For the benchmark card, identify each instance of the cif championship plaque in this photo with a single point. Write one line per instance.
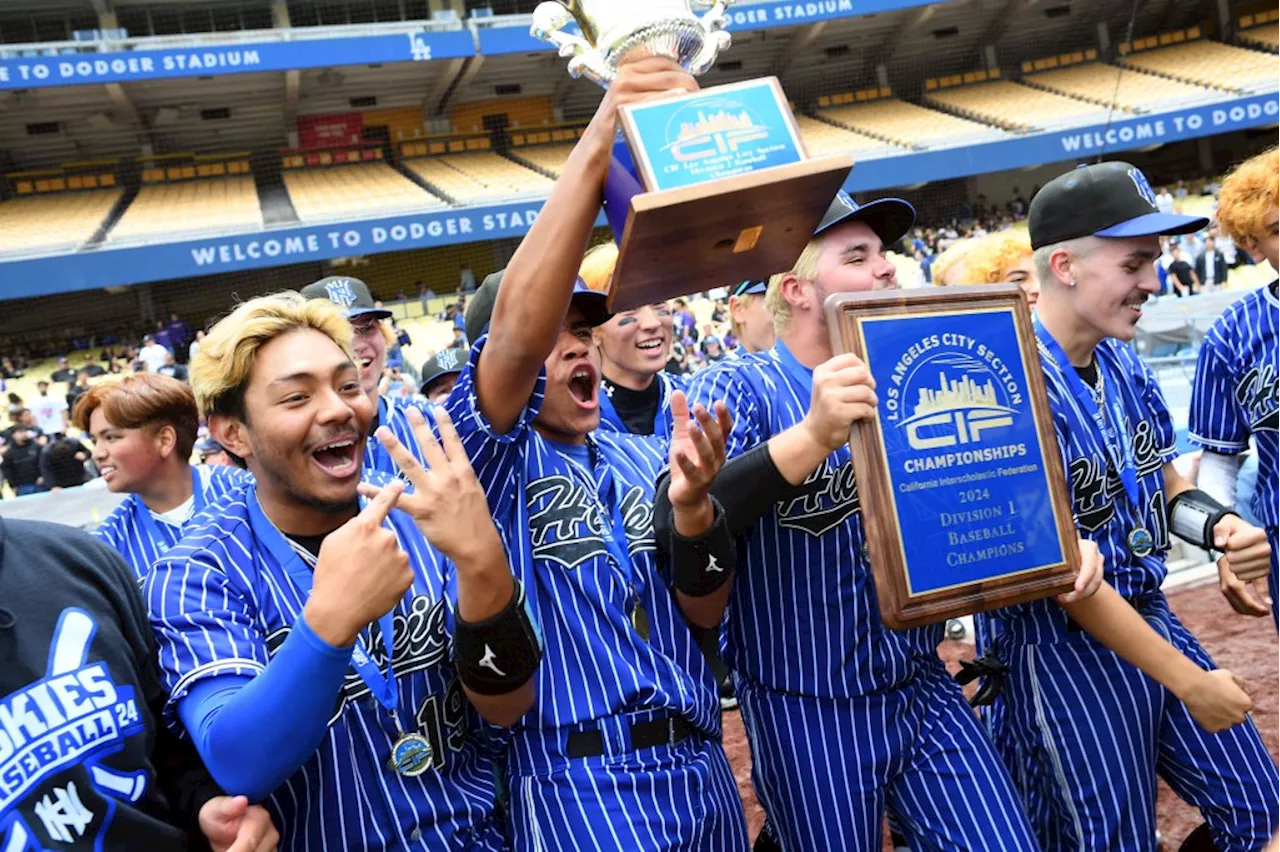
(718, 179)
(961, 465)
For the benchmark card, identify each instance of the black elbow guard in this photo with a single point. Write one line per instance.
(499, 654)
(1193, 515)
(703, 564)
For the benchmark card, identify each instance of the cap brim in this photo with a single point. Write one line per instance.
(1155, 224)
(754, 290)
(890, 218)
(369, 313)
(594, 306)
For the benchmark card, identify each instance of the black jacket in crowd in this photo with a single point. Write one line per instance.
(21, 465)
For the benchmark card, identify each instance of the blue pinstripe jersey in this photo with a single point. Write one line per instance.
(667, 383)
(1235, 392)
(142, 539)
(220, 603)
(594, 663)
(1102, 510)
(393, 415)
(803, 611)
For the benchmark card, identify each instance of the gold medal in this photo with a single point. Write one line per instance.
(640, 619)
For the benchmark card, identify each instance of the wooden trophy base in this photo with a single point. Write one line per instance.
(696, 238)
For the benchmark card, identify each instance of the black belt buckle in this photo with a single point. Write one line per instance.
(991, 669)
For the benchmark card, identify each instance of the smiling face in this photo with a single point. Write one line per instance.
(369, 342)
(127, 458)
(571, 407)
(1023, 273)
(636, 344)
(1113, 280)
(306, 418)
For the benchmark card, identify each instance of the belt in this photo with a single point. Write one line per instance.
(668, 731)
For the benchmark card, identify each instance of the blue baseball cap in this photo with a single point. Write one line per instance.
(889, 218)
(1102, 200)
(751, 288)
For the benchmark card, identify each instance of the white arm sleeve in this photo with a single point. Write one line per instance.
(1217, 476)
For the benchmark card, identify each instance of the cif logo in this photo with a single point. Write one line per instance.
(418, 49)
(340, 292)
(958, 400)
(1144, 187)
(705, 129)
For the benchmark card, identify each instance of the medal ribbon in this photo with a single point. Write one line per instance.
(382, 687)
(1110, 425)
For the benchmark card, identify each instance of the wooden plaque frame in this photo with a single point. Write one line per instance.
(718, 233)
(899, 608)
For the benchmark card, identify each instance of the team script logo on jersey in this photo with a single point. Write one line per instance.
(828, 497)
(1257, 394)
(566, 527)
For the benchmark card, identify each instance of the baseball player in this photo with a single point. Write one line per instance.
(622, 751)
(143, 428)
(635, 346)
(323, 657)
(1235, 393)
(1089, 779)
(440, 373)
(749, 318)
(85, 764)
(369, 340)
(1003, 257)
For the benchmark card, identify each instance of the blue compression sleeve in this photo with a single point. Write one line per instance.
(254, 732)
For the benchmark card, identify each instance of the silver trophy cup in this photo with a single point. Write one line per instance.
(611, 29)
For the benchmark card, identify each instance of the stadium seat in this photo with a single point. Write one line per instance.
(549, 157)
(908, 125)
(349, 191)
(1136, 92)
(1017, 107)
(1267, 35)
(469, 178)
(1211, 64)
(58, 220)
(822, 138)
(193, 206)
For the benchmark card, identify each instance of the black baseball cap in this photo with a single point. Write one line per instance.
(751, 288)
(444, 363)
(350, 294)
(1103, 200)
(889, 218)
(592, 303)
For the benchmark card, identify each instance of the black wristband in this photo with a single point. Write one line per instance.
(499, 654)
(703, 564)
(1192, 516)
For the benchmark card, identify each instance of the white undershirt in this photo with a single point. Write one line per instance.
(178, 515)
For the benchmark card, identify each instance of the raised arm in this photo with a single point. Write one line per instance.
(536, 287)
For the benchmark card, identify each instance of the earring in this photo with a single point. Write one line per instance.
(1071, 283)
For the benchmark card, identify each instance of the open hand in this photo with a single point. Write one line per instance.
(697, 451)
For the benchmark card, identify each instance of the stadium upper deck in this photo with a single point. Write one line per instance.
(485, 126)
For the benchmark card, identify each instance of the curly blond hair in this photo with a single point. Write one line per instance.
(1247, 195)
(220, 371)
(596, 269)
(991, 258)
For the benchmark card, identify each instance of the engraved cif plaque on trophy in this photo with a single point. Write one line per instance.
(966, 504)
(708, 188)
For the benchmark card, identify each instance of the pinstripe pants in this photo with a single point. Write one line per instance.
(826, 768)
(669, 797)
(1086, 735)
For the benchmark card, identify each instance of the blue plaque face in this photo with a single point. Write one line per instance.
(718, 133)
(965, 461)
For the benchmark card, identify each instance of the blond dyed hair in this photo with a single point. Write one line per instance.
(806, 269)
(991, 258)
(220, 371)
(1247, 195)
(596, 269)
(949, 260)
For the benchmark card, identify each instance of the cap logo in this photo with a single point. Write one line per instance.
(1144, 188)
(340, 292)
(448, 359)
(845, 199)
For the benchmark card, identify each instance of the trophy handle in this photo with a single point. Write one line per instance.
(549, 20)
